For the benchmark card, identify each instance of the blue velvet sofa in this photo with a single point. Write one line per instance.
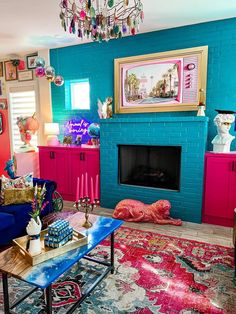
(14, 218)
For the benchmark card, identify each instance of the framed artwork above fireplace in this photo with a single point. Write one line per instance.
(166, 81)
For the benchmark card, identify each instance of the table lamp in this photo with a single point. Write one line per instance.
(51, 130)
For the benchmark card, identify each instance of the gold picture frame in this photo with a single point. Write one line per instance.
(10, 71)
(161, 82)
(1, 69)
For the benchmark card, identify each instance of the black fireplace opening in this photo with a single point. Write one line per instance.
(150, 166)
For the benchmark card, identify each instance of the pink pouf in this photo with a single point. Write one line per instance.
(136, 211)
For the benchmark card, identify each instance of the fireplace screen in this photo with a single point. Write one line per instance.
(150, 166)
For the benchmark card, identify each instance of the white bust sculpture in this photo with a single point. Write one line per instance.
(222, 141)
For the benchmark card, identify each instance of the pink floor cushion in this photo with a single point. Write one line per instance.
(136, 211)
(50, 218)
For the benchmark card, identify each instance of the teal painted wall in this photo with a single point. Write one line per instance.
(95, 61)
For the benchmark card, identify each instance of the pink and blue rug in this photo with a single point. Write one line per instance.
(154, 274)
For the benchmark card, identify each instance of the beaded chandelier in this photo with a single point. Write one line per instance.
(101, 19)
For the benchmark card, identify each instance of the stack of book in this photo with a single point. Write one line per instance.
(59, 233)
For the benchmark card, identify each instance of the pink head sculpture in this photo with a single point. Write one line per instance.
(27, 127)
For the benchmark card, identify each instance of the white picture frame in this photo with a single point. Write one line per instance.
(26, 75)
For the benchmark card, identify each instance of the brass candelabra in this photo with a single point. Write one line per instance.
(85, 205)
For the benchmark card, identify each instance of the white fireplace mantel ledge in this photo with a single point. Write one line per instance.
(155, 120)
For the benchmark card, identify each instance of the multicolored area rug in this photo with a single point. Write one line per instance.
(154, 274)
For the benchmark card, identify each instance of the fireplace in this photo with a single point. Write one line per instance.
(184, 138)
(150, 166)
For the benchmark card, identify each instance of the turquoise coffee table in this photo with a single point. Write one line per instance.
(43, 275)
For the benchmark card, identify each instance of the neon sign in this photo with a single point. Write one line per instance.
(76, 127)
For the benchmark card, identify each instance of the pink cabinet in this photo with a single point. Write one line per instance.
(82, 162)
(64, 164)
(220, 188)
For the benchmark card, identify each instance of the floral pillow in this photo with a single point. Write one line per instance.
(23, 182)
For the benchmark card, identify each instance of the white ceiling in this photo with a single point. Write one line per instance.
(27, 26)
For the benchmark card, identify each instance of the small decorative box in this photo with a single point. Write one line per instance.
(56, 244)
(56, 227)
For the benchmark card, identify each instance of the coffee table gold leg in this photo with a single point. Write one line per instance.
(49, 299)
(112, 253)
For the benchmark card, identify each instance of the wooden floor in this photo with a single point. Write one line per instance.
(200, 232)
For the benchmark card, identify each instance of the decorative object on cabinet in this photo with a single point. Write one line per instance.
(94, 133)
(78, 140)
(1, 69)
(27, 127)
(67, 140)
(101, 20)
(105, 108)
(219, 189)
(51, 130)
(223, 121)
(65, 164)
(26, 75)
(10, 71)
(85, 201)
(160, 81)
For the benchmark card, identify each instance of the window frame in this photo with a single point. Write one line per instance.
(14, 88)
(69, 96)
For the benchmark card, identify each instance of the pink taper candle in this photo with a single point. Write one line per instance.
(92, 192)
(77, 191)
(96, 188)
(86, 184)
(82, 187)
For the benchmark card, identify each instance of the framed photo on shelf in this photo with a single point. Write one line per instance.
(26, 75)
(31, 61)
(1, 69)
(10, 71)
(167, 81)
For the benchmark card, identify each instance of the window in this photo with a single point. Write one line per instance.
(79, 91)
(22, 103)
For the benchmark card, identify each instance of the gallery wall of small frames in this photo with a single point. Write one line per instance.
(20, 70)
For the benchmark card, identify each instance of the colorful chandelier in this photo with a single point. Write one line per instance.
(101, 19)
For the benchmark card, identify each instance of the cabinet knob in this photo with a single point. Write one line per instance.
(234, 166)
(82, 156)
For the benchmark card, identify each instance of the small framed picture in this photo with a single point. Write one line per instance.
(3, 103)
(1, 69)
(10, 71)
(26, 75)
(31, 61)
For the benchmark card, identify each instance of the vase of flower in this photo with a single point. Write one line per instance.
(33, 230)
(34, 226)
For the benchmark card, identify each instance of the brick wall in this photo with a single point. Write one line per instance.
(95, 61)
(190, 133)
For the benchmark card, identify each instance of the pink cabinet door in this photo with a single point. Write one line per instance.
(82, 161)
(220, 189)
(54, 166)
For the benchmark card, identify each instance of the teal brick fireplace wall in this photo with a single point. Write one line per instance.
(96, 61)
(190, 133)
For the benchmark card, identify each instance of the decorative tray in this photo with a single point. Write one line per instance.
(47, 252)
